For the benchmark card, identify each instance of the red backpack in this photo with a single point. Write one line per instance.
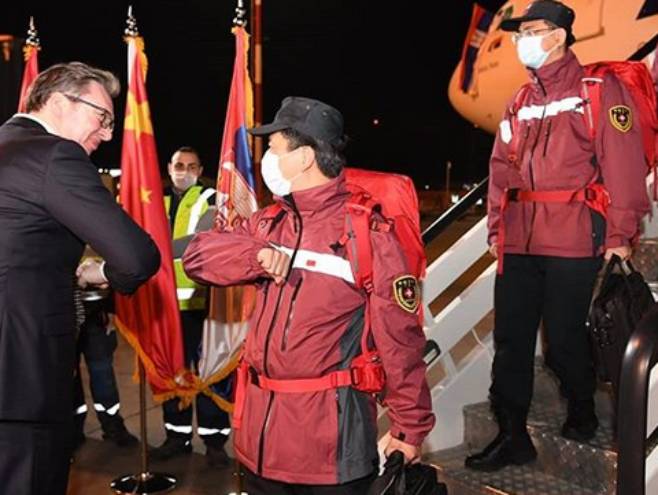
(394, 197)
(638, 81)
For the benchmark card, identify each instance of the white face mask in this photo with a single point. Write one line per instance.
(530, 52)
(183, 182)
(272, 175)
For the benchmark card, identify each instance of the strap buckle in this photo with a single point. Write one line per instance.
(513, 194)
(591, 194)
(356, 376)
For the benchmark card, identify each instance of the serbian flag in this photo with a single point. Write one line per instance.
(226, 325)
(149, 319)
(31, 70)
(480, 22)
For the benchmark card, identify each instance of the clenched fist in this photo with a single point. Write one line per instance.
(275, 263)
(90, 273)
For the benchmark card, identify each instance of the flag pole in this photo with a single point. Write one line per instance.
(145, 482)
(240, 19)
(257, 78)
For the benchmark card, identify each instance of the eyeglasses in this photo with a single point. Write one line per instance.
(530, 32)
(107, 120)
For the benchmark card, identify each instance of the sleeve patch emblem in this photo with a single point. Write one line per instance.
(406, 292)
(621, 118)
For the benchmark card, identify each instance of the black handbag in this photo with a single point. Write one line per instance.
(620, 300)
(412, 479)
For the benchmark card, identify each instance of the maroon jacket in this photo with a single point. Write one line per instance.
(558, 154)
(309, 327)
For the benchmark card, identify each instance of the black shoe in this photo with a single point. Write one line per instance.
(217, 457)
(581, 423)
(506, 449)
(120, 436)
(172, 447)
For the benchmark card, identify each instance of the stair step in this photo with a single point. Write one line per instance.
(512, 480)
(591, 465)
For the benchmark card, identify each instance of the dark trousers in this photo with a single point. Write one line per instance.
(97, 346)
(209, 415)
(556, 291)
(34, 458)
(256, 485)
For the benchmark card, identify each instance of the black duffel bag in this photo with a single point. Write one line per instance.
(620, 300)
(412, 479)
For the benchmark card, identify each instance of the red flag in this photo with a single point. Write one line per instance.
(149, 319)
(31, 70)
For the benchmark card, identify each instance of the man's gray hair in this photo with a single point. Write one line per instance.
(71, 77)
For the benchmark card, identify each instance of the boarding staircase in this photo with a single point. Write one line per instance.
(458, 305)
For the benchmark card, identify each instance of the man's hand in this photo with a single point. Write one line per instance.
(89, 274)
(624, 252)
(493, 250)
(275, 263)
(411, 452)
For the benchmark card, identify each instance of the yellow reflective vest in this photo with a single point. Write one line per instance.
(193, 204)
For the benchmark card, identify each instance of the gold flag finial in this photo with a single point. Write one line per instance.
(131, 24)
(32, 35)
(240, 18)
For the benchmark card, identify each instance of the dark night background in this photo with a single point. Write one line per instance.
(389, 61)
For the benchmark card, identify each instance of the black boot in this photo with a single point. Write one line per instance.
(115, 430)
(581, 423)
(173, 446)
(216, 456)
(512, 445)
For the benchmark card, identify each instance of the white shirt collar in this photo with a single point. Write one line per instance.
(37, 120)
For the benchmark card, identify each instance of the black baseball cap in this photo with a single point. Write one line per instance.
(548, 10)
(307, 116)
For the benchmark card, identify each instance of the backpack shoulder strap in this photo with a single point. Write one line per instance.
(591, 95)
(271, 215)
(517, 104)
(358, 217)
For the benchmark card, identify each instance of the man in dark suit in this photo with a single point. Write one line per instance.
(52, 202)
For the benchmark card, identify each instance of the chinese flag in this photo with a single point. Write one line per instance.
(149, 319)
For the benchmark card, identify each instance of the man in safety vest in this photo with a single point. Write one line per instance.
(559, 201)
(185, 203)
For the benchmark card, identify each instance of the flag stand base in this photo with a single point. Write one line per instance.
(143, 483)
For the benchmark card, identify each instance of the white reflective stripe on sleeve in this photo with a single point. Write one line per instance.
(178, 429)
(81, 409)
(195, 212)
(570, 104)
(505, 131)
(111, 410)
(184, 294)
(328, 264)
